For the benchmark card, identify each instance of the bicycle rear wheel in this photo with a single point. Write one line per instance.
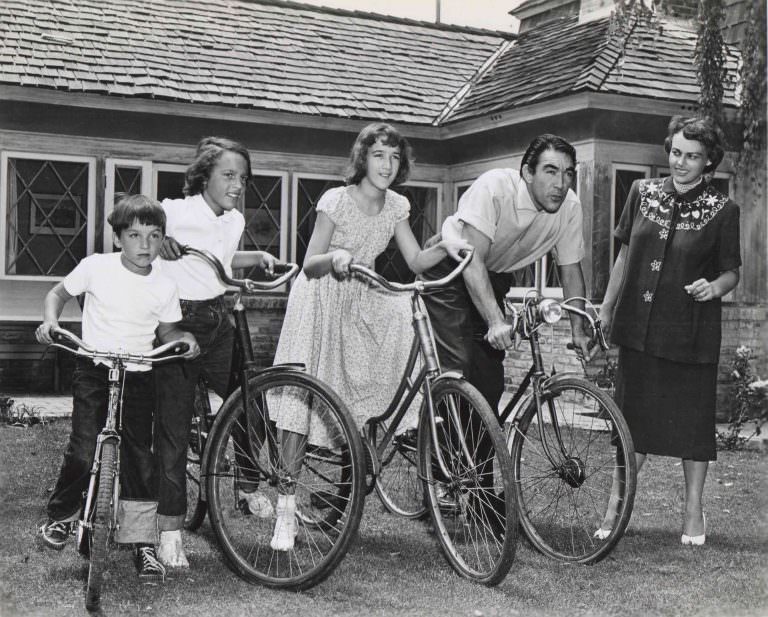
(563, 502)
(330, 486)
(473, 506)
(398, 484)
(196, 506)
(100, 519)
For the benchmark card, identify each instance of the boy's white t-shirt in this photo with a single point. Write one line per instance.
(122, 309)
(191, 221)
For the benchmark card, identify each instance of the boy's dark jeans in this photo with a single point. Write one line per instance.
(89, 414)
(209, 322)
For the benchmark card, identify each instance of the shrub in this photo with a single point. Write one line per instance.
(749, 402)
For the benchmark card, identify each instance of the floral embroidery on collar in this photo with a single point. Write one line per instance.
(657, 206)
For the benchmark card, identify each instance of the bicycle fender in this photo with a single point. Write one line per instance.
(255, 371)
(450, 375)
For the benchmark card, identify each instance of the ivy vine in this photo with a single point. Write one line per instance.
(710, 59)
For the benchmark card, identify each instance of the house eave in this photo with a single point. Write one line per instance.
(196, 110)
(569, 104)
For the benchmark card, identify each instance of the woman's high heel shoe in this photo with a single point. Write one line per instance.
(687, 540)
(602, 534)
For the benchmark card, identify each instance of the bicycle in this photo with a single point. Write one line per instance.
(98, 520)
(243, 444)
(459, 452)
(568, 440)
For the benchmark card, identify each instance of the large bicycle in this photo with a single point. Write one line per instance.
(568, 442)
(456, 465)
(98, 520)
(242, 446)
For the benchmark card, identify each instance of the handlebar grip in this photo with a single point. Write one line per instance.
(282, 269)
(180, 348)
(464, 252)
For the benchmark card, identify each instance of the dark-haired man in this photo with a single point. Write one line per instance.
(512, 219)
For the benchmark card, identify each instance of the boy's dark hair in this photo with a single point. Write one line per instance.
(705, 131)
(209, 151)
(389, 136)
(544, 142)
(129, 208)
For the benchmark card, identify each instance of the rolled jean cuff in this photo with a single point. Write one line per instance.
(166, 522)
(137, 522)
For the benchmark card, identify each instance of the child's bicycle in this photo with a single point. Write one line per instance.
(240, 445)
(98, 520)
(456, 465)
(569, 442)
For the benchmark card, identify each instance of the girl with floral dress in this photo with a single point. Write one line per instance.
(352, 336)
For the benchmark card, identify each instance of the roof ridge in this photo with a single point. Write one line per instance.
(381, 17)
(456, 99)
(594, 69)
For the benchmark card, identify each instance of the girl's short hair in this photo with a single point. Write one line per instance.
(389, 136)
(701, 129)
(209, 151)
(129, 208)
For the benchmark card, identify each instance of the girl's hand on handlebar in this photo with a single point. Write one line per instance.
(268, 262)
(454, 247)
(43, 332)
(340, 262)
(500, 336)
(171, 250)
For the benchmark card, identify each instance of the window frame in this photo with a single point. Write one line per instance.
(147, 186)
(284, 210)
(294, 212)
(90, 233)
(648, 170)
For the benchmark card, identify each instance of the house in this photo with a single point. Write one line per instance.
(109, 96)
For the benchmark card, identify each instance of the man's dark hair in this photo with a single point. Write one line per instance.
(129, 208)
(544, 142)
(705, 131)
(209, 151)
(389, 136)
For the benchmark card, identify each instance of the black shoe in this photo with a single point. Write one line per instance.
(147, 563)
(55, 534)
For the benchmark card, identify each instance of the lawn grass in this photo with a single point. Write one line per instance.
(396, 568)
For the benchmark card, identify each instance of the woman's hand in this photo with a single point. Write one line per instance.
(453, 247)
(171, 250)
(340, 262)
(606, 319)
(701, 290)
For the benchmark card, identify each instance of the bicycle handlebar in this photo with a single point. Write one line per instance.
(66, 340)
(288, 272)
(417, 285)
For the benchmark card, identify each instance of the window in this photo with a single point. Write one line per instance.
(623, 177)
(46, 214)
(266, 217)
(307, 191)
(123, 176)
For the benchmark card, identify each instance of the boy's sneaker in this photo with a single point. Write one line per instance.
(147, 563)
(55, 534)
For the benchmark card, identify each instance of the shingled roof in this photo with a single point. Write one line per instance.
(259, 55)
(566, 57)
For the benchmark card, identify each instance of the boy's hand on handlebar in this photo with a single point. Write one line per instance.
(454, 247)
(500, 336)
(340, 262)
(43, 332)
(171, 249)
(194, 348)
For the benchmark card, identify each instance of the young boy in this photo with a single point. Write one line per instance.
(128, 303)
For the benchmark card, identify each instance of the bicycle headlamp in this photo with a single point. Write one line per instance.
(550, 310)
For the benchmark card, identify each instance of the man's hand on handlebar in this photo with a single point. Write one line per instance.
(500, 335)
(171, 249)
(194, 348)
(583, 344)
(454, 247)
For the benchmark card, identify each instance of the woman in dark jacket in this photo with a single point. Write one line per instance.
(679, 255)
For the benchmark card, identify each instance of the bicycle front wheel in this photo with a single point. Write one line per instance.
(470, 495)
(329, 488)
(564, 491)
(100, 519)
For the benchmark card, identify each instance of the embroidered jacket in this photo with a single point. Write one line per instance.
(673, 240)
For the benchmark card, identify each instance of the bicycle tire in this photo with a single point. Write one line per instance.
(398, 484)
(473, 509)
(101, 518)
(562, 506)
(332, 474)
(201, 424)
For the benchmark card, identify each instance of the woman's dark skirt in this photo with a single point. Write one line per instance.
(669, 406)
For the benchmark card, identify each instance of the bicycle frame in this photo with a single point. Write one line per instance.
(528, 326)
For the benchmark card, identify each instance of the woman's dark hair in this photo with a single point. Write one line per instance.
(389, 136)
(544, 142)
(705, 131)
(129, 208)
(209, 151)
